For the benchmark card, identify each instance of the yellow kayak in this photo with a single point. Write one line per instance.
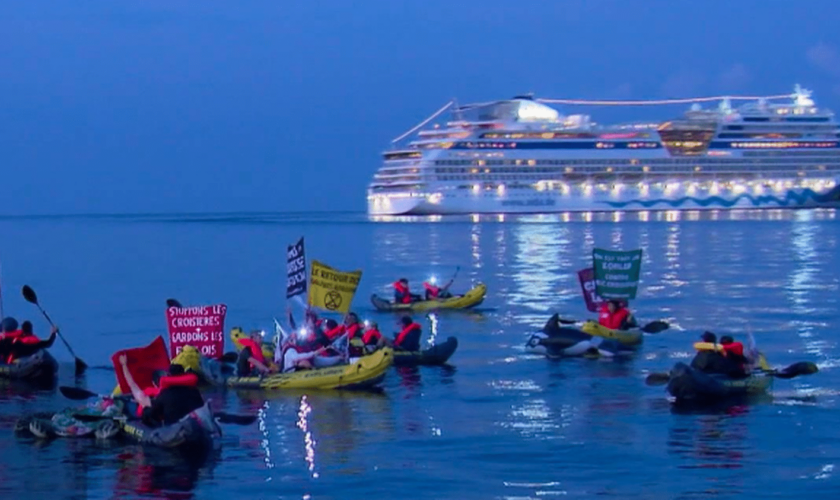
(626, 337)
(367, 371)
(472, 298)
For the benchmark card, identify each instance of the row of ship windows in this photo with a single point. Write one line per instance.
(602, 163)
(673, 168)
(536, 177)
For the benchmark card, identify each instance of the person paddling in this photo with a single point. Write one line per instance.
(20, 343)
(251, 359)
(171, 403)
(615, 316)
(434, 292)
(408, 339)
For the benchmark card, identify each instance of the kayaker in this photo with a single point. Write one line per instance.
(434, 292)
(16, 344)
(402, 294)
(171, 404)
(311, 337)
(408, 339)
(734, 352)
(710, 359)
(251, 358)
(294, 358)
(615, 316)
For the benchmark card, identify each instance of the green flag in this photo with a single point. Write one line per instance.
(616, 272)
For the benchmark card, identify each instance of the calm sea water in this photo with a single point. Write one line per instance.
(498, 423)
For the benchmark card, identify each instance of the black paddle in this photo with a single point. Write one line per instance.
(655, 326)
(173, 303)
(794, 370)
(78, 394)
(29, 295)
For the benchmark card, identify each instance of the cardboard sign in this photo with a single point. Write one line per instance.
(202, 327)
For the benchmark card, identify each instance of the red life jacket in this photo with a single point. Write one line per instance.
(612, 320)
(336, 332)
(434, 291)
(186, 379)
(17, 336)
(354, 330)
(402, 290)
(256, 352)
(734, 348)
(371, 336)
(404, 333)
(11, 335)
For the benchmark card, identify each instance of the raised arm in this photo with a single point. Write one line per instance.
(139, 396)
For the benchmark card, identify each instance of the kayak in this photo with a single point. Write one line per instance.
(472, 298)
(195, 432)
(366, 372)
(590, 340)
(689, 384)
(438, 354)
(38, 366)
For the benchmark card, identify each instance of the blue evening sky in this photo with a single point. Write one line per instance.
(153, 106)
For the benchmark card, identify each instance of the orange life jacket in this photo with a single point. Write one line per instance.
(404, 333)
(612, 320)
(186, 379)
(256, 351)
(18, 336)
(336, 332)
(402, 293)
(371, 336)
(434, 291)
(354, 330)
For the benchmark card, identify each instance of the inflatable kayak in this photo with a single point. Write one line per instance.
(39, 366)
(590, 339)
(93, 420)
(366, 372)
(472, 298)
(195, 432)
(438, 354)
(688, 384)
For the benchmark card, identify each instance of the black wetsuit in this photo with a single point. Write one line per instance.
(712, 362)
(172, 404)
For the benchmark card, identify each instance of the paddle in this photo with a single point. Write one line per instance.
(78, 394)
(173, 303)
(655, 326)
(29, 295)
(794, 370)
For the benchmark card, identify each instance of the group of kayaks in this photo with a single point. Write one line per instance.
(109, 416)
(567, 338)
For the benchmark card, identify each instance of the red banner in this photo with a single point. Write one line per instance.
(587, 287)
(202, 327)
(142, 363)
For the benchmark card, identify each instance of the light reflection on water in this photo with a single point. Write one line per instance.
(500, 423)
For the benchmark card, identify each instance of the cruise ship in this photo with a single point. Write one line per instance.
(522, 155)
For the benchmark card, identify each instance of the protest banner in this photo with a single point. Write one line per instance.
(295, 270)
(331, 289)
(202, 327)
(616, 273)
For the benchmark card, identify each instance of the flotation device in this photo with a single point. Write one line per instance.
(354, 331)
(256, 352)
(165, 382)
(334, 333)
(403, 335)
(11, 335)
(371, 336)
(21, 339)
(612, 320)
(708, 346)
(734, 348)
(402, 296)
(433, 291)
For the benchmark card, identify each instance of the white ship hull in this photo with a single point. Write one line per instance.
(628, 200)
(520, 156)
